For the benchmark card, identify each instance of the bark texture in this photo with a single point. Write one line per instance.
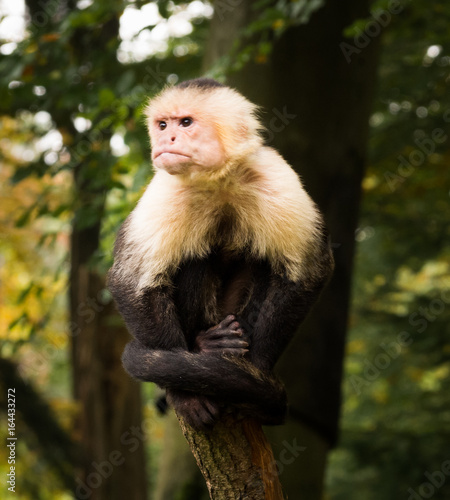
(236, 460)
(110, 416)
(188, 482)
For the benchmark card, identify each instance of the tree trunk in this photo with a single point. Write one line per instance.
(33, 411)
(110, 417)
(236, 460)
(188, 482)
(109, 422)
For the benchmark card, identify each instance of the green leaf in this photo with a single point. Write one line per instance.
(106, 97)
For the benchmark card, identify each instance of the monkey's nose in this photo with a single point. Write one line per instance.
(172, 138)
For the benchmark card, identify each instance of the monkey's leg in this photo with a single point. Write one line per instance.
(228, 338)
(279, 305)
(232, 381)
(200, 412)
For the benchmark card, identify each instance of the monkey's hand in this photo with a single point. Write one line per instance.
(198, 411)
(228, 337)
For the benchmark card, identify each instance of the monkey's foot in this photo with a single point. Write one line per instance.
(198, 411)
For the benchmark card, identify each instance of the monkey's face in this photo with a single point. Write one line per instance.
(183, 142)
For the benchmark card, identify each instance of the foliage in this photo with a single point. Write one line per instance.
(73, 150)
(257, 38)
(398, 363)
(71, 98)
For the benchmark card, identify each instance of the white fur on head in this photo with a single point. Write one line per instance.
(234, 117)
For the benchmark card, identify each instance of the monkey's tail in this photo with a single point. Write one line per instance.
(229, 379)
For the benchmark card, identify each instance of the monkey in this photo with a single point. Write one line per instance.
(220, 261)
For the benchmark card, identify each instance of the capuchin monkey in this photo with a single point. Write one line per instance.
(219, 262)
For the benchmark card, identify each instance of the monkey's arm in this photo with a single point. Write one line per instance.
(150, 316)
(273, 317)
(232, 380)
(160, 355)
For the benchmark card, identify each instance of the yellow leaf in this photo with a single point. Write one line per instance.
(279, 23)
(50, 37)
(355, 346)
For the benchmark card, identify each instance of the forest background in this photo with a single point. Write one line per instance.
(356, 97)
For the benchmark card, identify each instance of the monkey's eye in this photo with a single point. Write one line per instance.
(185, 122)
(162, 125)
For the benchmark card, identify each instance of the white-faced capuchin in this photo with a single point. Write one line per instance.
(220, 261)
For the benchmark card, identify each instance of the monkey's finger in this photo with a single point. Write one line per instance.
(235, 325)
(235, 343)
(235, 352)
(194, 419)
(226, 343)
(205, 416)
(235, 333)
(212, 408)
(223, 324)
(211, 335)
(222, 333)
(227, 321)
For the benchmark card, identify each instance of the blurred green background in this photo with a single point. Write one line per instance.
(74, 159)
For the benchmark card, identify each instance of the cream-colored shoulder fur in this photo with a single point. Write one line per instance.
(283, 223)
(272, 216)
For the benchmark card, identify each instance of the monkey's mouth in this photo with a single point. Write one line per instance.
(169, 153)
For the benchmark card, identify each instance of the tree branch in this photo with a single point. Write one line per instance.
(235, 459)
